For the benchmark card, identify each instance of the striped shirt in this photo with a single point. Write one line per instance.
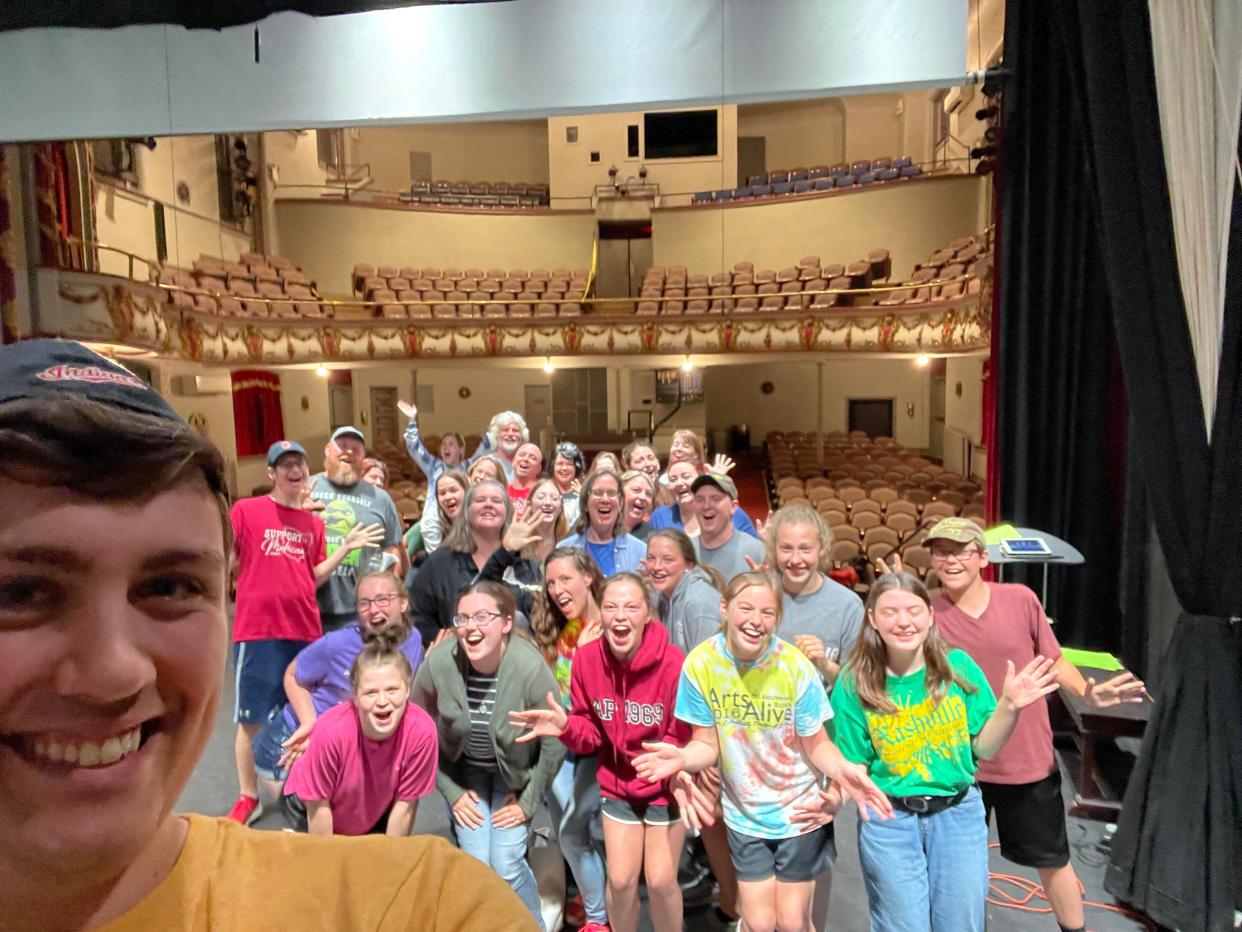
(481, 697)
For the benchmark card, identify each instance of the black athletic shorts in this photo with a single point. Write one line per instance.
(1030, 820)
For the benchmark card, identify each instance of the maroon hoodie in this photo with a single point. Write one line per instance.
(615, 707)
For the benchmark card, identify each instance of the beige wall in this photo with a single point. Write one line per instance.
(505, 150)
(573, 175)
(873, 126)
(327, 239)
(125, 217)
(963, 414)
(796, 132)
(734, 396)
(910, 220)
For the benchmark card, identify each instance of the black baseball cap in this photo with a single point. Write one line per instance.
(50, 368)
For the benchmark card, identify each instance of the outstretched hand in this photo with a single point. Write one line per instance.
(698, 809)
(1036, 680)
(408, 409)
(541, 723)
(661, 762)
(522, 531)
(721, 465)
(851, 780)
(1125, 687)
(819, 811)
(363, 535)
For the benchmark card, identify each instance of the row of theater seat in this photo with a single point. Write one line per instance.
(499, 194)
(877, 497)
(254, 286)
(863, 166)
(746, 289)
(472, 292)
(764, 190)
(961, 265)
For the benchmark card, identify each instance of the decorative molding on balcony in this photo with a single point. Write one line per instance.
(105, 309)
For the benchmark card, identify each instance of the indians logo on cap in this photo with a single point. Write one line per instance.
(93, 374)
(286, 445)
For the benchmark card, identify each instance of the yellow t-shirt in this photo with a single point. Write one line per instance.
(233, 878)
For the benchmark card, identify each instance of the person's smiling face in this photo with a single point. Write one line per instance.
(112, 642)
(527, 462)
(665, 564)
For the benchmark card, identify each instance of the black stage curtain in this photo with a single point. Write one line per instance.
(1057, 404)
(1177, 853)
(193, 14)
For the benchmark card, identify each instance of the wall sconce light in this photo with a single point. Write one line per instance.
(922, 360)
(322, 372)
(548, 367)
(687, 366)
(909, 409)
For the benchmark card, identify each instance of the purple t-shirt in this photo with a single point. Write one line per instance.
(322, 668)
(360, 778)
(1012, 627)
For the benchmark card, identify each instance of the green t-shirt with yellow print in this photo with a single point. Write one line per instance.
(923, 749)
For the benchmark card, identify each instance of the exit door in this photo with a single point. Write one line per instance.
(873, 416)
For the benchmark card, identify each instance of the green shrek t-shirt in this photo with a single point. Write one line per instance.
(922, 749)
(344, 507)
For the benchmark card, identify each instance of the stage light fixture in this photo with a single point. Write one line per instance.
(987, 113)
(322, 372)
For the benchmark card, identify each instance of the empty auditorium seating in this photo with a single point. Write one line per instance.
(877, 497)
(802, 284)
(951, 272)
(428, 291)
(507, 195)
(815, 180)
(255, 286)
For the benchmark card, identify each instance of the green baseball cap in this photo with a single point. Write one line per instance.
(958, 530)
(722, 482)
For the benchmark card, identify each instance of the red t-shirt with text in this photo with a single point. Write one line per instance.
(1012, 627)
(277, 549)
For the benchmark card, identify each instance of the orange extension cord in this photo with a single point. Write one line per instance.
(1028, 890)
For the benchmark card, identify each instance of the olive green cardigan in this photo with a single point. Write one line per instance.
(523, 681)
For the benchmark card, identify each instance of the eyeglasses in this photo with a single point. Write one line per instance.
(604, 493)
(380, 601)
(959, 555)
(480, 619)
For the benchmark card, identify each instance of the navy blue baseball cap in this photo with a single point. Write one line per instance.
(45, 369)
(281, 447)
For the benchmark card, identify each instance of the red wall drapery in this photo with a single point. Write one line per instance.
(257, 420)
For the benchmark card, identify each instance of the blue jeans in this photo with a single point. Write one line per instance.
(573, 804)
(927, 873)
(503, 849)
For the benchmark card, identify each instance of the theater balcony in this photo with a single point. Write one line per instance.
(941, 310)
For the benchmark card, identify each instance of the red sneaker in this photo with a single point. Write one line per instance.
(575, 912)
(246, 810)
(595, 927)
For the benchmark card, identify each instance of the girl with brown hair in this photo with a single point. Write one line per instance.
(919, 717)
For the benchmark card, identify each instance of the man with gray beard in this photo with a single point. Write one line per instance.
(347, 501)
(506, 432)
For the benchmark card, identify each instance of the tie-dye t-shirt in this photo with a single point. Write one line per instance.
(759, 710)
(923, 749)
(566, 647)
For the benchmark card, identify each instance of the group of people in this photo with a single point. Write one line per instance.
(705, 680)
(622, 645)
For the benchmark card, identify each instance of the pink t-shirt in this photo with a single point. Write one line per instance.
(360, 778)
(277, 549)
(1013, 627)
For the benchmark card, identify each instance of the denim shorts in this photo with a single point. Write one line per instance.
(268, 746)
(259, 671)
(791, 860)
(629, 813)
